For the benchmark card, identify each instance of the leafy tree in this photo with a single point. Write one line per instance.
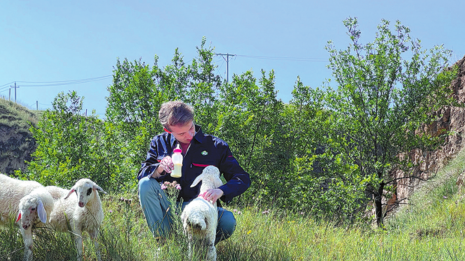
(386, 91)
(204, 89)
(250, 120)
(316, 179)
(72, 146)
(61, 141)
(134, 98)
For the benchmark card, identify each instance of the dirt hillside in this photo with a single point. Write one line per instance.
(16, 141)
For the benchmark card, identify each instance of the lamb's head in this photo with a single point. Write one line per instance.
(31, 206)
(210, 178)
(84, 189)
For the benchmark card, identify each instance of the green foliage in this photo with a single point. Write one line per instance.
(249, 120)
(321, 181)
(71, 147)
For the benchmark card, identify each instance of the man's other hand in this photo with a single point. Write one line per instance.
(213, 194)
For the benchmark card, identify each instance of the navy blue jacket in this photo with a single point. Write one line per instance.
(204, 150)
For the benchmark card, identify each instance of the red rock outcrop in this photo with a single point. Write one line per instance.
(453, 119)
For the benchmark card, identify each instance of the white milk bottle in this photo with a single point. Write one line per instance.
(177, 161)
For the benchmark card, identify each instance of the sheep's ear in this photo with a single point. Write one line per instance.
(97, 187)
(19, 217)
(41, 212)
(70, 192)
(196, 181)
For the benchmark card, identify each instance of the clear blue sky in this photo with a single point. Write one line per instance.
(45, 42)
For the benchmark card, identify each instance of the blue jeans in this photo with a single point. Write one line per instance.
(156, 209)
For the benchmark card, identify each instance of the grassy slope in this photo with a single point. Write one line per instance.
(429, 229)
(15, 115)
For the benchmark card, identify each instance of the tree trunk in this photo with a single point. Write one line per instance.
(379, 205)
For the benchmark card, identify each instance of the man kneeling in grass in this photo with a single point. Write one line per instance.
(199, 150)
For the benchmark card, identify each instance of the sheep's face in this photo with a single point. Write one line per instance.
(84, 193)
(29, 209)
(84, 189)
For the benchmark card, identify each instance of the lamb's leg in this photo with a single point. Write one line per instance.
(78, 241)
(190, 239)
(93, 236)
(210, 244)
(28, 243)
(211, 255)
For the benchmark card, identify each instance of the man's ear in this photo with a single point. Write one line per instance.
(167, 130)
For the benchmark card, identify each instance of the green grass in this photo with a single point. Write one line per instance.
(16, 115)
(431, 228)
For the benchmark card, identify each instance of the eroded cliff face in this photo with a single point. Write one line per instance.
(453, 119)
(16, 142)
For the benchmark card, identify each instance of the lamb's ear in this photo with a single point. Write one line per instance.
(97, 187)
(41, 212)
(196, 181)
(70, 192)
(19, 217)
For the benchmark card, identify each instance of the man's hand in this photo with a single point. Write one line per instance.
(213, 194)
(166, 164)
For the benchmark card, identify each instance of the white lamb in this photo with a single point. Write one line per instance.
(33, 207)
(11, 192)
(200, 217)
(83, 212)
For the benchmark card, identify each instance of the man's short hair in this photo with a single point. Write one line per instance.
(175, 113)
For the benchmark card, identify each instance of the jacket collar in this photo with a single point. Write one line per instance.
(199, 134)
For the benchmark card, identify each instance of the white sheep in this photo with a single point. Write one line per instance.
(200, 217)
(11, 192)
(83, 212)
(57, 192)
(33, 207)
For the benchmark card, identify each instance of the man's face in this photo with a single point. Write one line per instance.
(183, 133)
